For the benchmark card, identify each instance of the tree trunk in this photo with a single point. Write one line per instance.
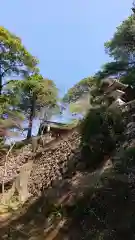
(32, 114)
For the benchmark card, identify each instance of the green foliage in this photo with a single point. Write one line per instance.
(10, 100)
(96, 96)
(81, 106)
(100, 131)
(37, 93)
(122, 48)
(28, 94)
(75, 108)
(122, 45)
(115, 69)
(5, 126)
(14, 56)
(125, 160)
(78, 90)
(44, 90)
(14, 60)
(129, 76)
(122, 70)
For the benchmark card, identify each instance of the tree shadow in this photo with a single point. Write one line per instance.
(110, 214)
(33, 220)
(107, 212)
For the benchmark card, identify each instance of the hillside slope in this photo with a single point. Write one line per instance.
(81, 205)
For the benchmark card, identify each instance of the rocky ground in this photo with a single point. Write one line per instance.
(71, 204)
(54, 163)
(22, 152)
(50, 162)
(13, 163)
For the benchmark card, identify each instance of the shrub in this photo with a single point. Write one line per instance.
(100, 131)
(124, 161)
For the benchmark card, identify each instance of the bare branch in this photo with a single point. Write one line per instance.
(2, 75)
(5, 167)
(4, 84)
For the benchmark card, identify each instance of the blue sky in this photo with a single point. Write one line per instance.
(67, 36)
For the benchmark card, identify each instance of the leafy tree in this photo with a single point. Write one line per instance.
(10, 114)
(120, 70)
(14, 58)
(37, 93)
(80, 106)
(6, 124)
(31, 92)
(78, 90)
(115, 69)
(47, 112)
(122, 48)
